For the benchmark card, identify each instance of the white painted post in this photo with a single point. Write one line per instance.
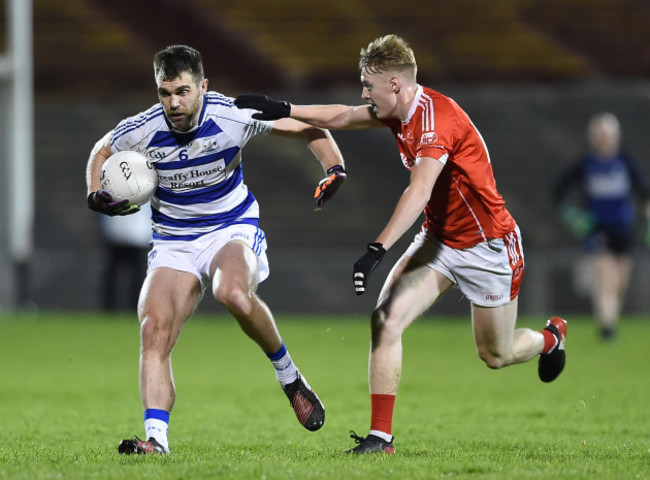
(17, 65)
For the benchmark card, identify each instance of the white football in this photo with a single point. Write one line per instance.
(129, 176)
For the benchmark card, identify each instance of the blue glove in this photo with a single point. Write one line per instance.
(101, 201)
(328, 186)
(365, 265)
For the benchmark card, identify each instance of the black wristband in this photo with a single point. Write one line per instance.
(378, 249)
(335, 169)
(285, 109)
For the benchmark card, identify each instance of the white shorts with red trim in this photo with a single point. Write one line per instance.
(489, 274)
(195, 256)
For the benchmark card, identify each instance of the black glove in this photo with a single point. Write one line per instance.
(328, 186)
(365, 265)
(271, 109)
(101, 201)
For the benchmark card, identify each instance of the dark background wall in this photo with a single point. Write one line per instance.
(528, 73)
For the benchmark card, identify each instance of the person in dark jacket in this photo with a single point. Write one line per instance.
(597, 197)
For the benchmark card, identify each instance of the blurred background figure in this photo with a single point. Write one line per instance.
(126, 241)
(597, 197)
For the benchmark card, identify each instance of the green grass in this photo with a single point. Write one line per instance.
(68, 395)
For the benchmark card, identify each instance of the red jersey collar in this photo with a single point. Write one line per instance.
(414, 105)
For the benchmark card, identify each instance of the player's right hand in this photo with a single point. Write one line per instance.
(365, 265)
(270, 109)
(101, 201)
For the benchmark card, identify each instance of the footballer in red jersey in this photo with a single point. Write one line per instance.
(468, 239)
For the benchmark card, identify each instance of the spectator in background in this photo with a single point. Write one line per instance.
(126, 242)
(596, 196)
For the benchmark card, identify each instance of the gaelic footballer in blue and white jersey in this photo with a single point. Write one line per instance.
(201, 186)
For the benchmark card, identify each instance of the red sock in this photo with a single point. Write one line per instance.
(381, 416)
(550, 341)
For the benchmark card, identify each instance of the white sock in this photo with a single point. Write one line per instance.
(157, 429)
(383, 435)
(285, 370)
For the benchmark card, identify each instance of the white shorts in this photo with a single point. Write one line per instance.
(489, 274)
(195, 256)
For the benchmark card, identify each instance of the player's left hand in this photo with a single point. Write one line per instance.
(365, 265)
(271, 109)
(328, 186)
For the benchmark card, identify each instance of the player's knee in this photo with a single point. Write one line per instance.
(378, 320)
(237, 301)
(155, 333)
(493, 360)
(382, 326)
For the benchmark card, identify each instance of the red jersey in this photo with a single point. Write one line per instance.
(465, 207)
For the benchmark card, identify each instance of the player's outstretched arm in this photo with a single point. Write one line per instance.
(334, 117)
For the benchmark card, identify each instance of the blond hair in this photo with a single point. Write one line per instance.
(389, 52)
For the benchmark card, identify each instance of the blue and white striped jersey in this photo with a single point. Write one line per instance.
(201, 186)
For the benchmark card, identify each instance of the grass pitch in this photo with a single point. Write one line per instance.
(68, 395)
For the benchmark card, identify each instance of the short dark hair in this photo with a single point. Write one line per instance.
(174, 60)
